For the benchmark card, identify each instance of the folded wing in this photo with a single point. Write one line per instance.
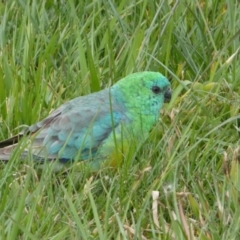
(75, 130)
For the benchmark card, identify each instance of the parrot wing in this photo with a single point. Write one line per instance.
(75, 129)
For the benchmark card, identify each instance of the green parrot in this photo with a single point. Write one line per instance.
(100, 127)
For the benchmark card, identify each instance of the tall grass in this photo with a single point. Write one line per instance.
(52, 51)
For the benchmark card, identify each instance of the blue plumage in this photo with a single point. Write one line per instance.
(100, 124)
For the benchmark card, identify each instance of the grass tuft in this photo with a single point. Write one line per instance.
(51, 52)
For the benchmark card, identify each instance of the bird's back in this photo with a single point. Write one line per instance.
(74, 130)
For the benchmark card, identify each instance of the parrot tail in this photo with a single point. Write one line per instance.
(7, 146)
(5, 153)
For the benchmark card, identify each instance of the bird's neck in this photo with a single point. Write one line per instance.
(144, 123)
(142, 119)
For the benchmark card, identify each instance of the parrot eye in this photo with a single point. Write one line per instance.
(156, 89)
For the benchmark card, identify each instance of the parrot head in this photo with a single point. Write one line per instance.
(144, 92)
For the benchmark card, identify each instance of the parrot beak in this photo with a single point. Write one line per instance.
(167, 95)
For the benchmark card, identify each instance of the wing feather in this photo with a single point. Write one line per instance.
(81, 124)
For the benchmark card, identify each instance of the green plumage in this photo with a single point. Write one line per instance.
(94, 126)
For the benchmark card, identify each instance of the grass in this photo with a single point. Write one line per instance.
(52, 51)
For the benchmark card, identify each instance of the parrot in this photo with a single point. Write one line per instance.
(99, 127)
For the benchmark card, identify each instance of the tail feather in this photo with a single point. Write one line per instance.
(6, 152)
(7, 146)
(36, 143)
(35, 148)
(11, 141)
